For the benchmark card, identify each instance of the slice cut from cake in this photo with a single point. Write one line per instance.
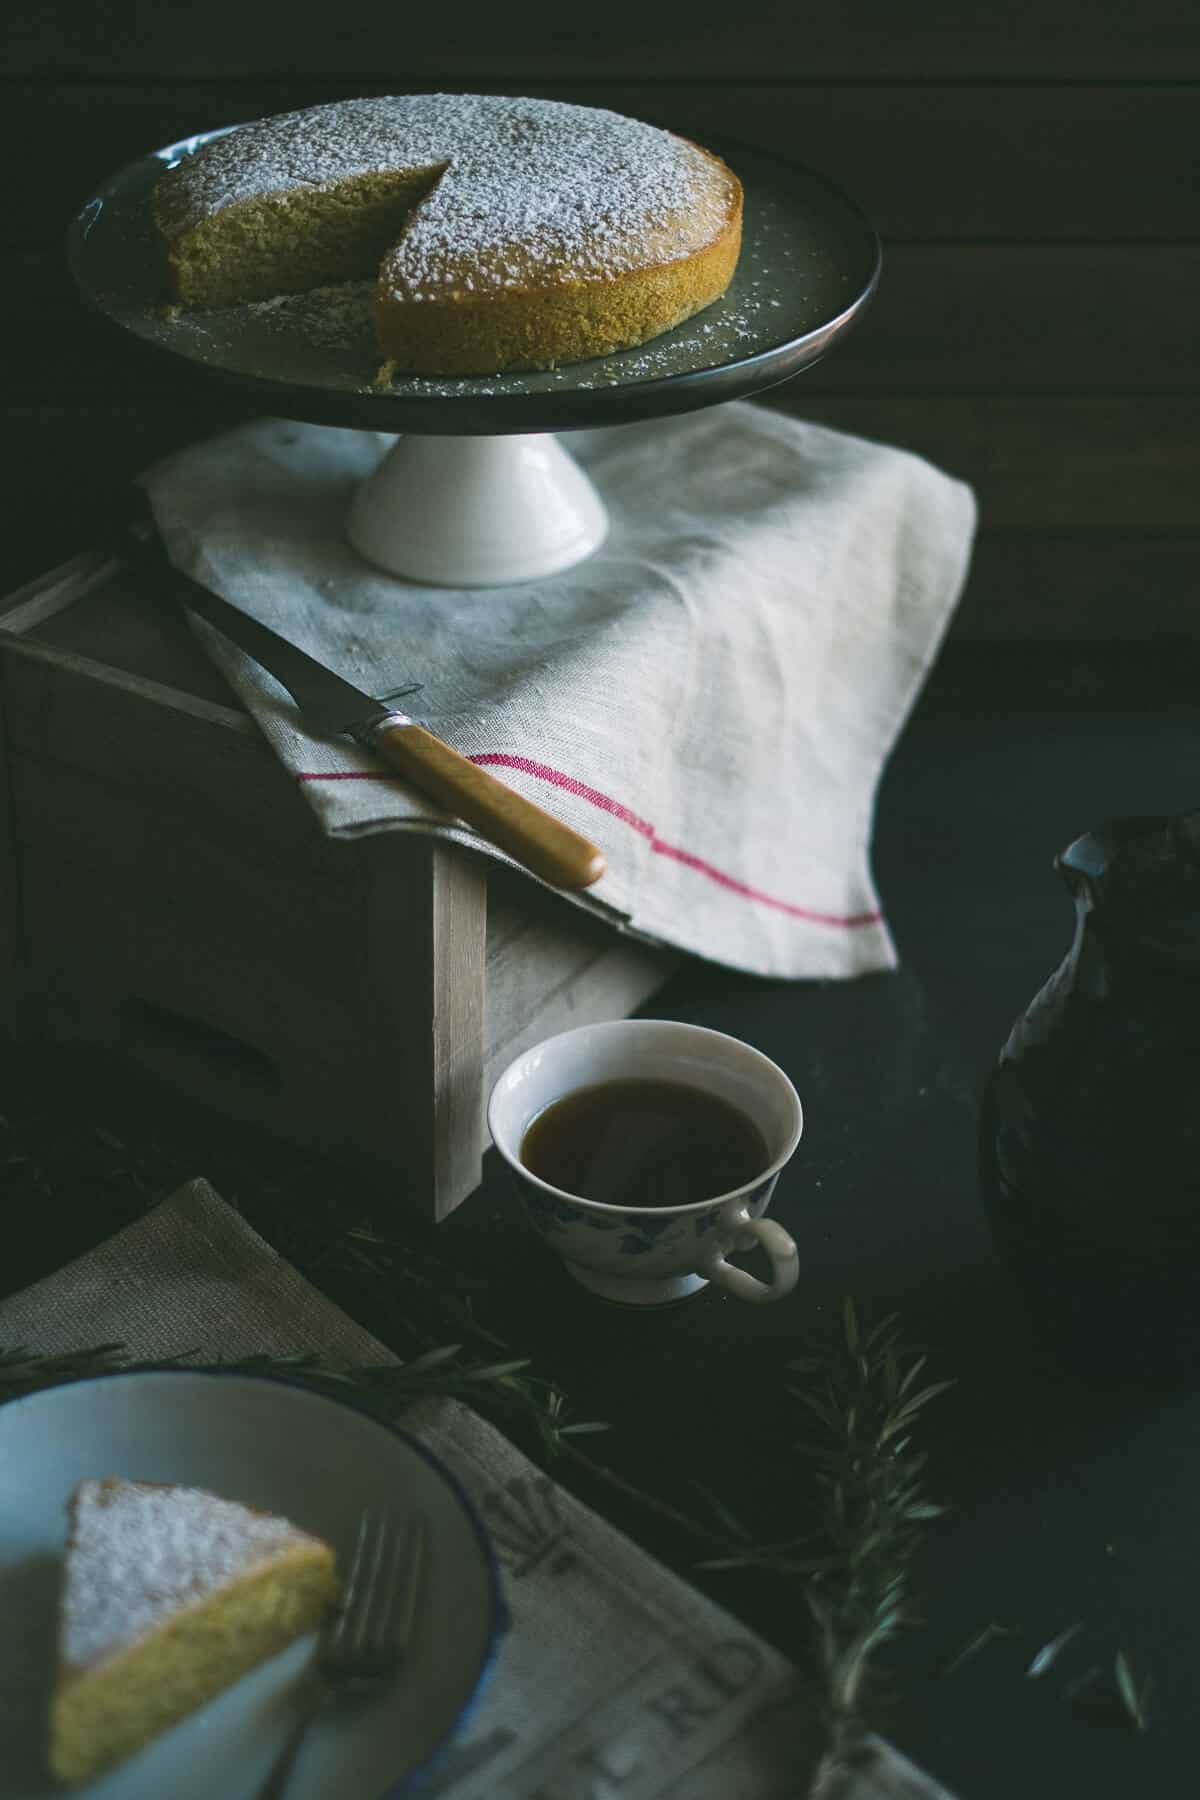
(169, 1595)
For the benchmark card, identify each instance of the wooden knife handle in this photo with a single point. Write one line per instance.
(532, 837)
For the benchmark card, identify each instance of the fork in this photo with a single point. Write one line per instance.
(362, 1646)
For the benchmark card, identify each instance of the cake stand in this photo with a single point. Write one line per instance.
(476, 489)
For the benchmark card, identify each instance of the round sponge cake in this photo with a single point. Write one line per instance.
(501, 233)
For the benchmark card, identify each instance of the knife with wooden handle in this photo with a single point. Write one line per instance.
(531, 836)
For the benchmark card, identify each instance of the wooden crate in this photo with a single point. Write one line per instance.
(166, 895)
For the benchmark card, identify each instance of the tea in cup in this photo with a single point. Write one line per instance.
(646, 1150)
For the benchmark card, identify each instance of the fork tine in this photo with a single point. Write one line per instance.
(384, 1588)
(409, 1588)
(401, 1590)
(368, 1594)
(353, 1587)
(387, 1591)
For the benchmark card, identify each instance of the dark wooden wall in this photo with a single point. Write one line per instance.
(1032, 168)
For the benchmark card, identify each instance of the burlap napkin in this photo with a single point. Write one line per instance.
(711, 697)
(614, 1677)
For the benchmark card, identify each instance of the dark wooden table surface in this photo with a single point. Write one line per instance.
(1068, 1500)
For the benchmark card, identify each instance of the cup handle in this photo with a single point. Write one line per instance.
(780, 1246)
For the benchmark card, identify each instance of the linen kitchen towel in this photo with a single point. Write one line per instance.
(711, 697)
(614, 1678)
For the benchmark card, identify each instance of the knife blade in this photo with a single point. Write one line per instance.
(526, 832)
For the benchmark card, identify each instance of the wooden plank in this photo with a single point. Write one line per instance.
(612, 985)
(184, 750)
(1041, 463)
(1039, 320)
(224, 977)
(929, 161)
(197, 857)
(143, 634)
(33, 652)
(419, 1015)
(42, 599)
(524, 38)
(1042, 316)
(299, 1087)
(1087, 586)
(969, 162)
(551, 965)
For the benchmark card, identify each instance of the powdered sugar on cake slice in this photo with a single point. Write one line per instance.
(517, 185)
(138, 1552)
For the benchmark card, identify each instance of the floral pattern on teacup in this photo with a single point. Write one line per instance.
(645, 1232)
(640, 1232)
(549, 1213)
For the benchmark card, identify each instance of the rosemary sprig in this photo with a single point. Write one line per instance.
(856, 1562)
(22, 1370)
(979, 1640)
(507, 1390)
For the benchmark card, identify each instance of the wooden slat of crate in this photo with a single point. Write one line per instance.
(370, 1046)
(86, 714)
(194, 1004)
(422, 1009)
(107, 968)
(110, 827)
(550, 968)
(229, 974)
(123, 625)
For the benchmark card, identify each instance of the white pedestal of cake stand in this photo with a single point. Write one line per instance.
(476, 511)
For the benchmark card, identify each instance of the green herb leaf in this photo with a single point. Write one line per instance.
(1049, 1654)
(1135, 1695)
(974, 1644)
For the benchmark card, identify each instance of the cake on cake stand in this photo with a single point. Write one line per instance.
(476, 490)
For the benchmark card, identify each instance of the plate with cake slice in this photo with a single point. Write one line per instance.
(171, 1543)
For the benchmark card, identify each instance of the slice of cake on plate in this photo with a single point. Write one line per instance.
(169, 1595)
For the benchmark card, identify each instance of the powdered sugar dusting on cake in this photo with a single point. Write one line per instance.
(141, 1551)
(517, 185)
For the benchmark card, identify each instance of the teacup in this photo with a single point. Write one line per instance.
(646, 1255)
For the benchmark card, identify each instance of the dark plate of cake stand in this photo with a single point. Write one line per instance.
(480, 451)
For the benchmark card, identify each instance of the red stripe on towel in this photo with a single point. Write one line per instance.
(526, 766)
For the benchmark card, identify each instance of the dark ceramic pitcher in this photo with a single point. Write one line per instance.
(1090, 1127)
